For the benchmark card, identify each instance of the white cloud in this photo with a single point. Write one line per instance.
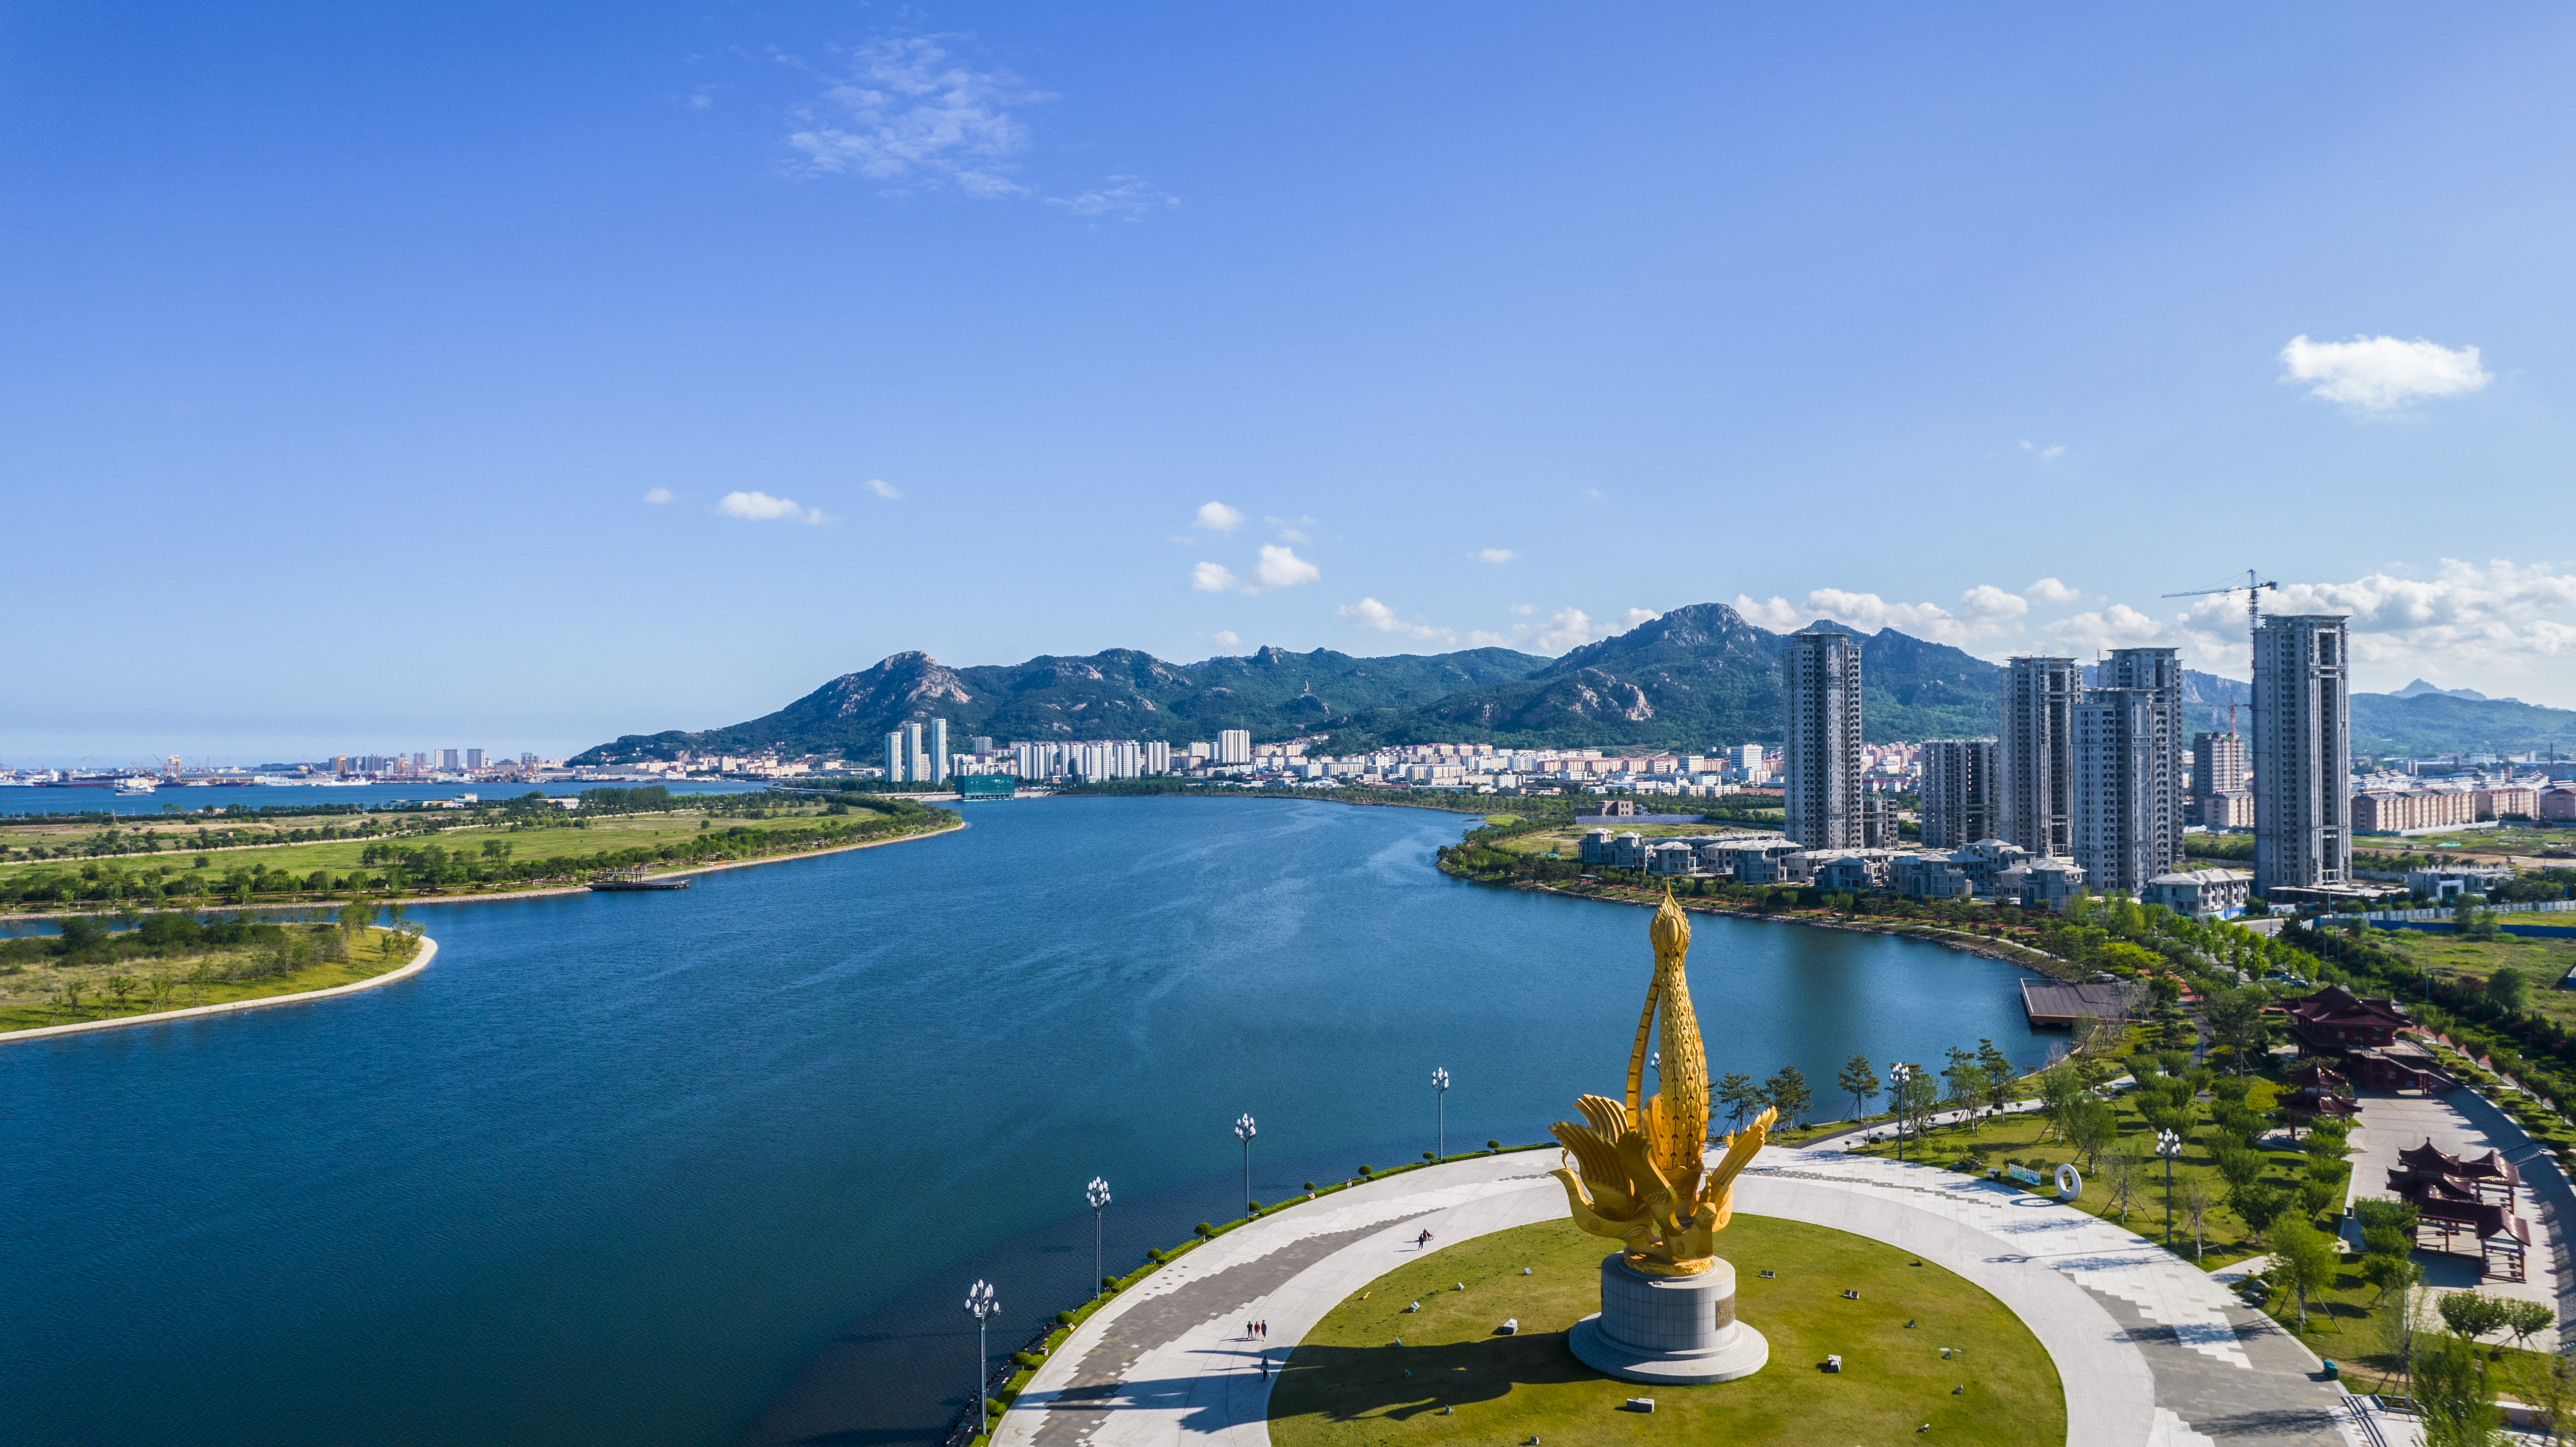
(760, 507)
(907, 112)
(1496, 555)
(1989, 605)
(658, 495)
(1226, 636)
(1217, 578)
(1524, 608)
(1565, 628)
(1638, 618)
(883, 488)
(1126, 197)
(1479, 638)
(2049, 590)
(2378, 374)
(1282, 568)
(1216, 517)
(2118, 626)
(1370, 613)
(2044, 454)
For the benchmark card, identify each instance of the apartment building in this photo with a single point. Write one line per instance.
(1820, 697)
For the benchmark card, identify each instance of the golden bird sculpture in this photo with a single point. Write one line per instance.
(1638, 1172)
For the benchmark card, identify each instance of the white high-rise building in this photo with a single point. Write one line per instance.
(473, 758)
(1962, 793)
(939, 751)
(2302, 754)
(2117, 835)
(1234, 746)
(898, 764)
(2159, 672)
(1158, 757)
(447, 759)
(2036, 753)
(1820, 697)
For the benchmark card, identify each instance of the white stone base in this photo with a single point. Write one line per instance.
(1677, 1329)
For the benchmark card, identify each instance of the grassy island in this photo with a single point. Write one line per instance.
(174, 962)
(1348, 1381)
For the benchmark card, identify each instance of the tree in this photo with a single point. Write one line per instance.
(1860, 1083)
(1787, 1091)
(2523, 1318)
(2120, 1180)
(2388, 1274)
(2000, 1075)
(2450, 1390)
(2096, 1126)
(2509, 990)
(2471, 1314)
(2260, 1205)
(1967, 1082)
(2305, 1260)
(1736, 1091)
(2061, 1093)
(1915, 1098)
(2235, 1019)
(2195, 1198)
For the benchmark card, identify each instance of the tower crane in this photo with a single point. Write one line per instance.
(2253, 587)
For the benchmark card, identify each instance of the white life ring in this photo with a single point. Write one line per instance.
(2069, 1184)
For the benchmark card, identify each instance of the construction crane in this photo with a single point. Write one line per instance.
(2253, 587)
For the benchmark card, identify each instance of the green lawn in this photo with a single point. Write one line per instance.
(1347, 1383)
(26, 1000)
(2024, 1138)
(2543, 961)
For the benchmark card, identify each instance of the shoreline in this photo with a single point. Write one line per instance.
(552, 889)
(419, 962)
(1964, 944)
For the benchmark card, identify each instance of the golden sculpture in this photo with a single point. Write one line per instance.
(1643, 1173)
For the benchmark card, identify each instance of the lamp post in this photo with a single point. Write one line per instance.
(2168, 1145)
(1097, 1193)
(981, 1306)
(1898, 1073)
(1244, 1132)
(1440, 1092)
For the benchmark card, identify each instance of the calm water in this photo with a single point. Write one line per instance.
(249, 798)
(716, 1165)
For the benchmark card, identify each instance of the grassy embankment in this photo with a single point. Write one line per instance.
(2459, 960)
(1348, 1381)
(503, 853)
(122, 977)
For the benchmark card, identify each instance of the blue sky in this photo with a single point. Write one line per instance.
(348, 344)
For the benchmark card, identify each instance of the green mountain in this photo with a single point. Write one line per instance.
(1697, 677)
(1119, 694)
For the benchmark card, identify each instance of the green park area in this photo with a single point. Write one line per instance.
(1372, 1372)
(506, 845)
(176, 963)
(2541, 962)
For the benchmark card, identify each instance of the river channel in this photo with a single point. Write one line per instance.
(717, 1166)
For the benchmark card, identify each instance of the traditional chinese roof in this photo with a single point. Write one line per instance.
(2317, 1075)
(2336, 1006)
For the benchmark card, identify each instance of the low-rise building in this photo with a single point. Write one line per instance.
(2040, 883)
(1985, 861)
(2452, 881)
(2413, 812)
(2201, 893)
(2508, 802)
(2558, 805)
(1929, 876)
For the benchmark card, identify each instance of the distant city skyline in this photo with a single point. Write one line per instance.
(715, 354)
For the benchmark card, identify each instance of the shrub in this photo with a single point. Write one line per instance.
(1064, 1318)
(1026, 1359)
(1157, 1256)
(1365, 1172)
(1310, 1186)
(1495, 1146)
(1206, 1231)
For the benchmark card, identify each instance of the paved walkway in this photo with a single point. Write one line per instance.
(2462, 1122)
(2154, 1353)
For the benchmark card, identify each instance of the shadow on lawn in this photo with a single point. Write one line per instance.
(1347, 1383)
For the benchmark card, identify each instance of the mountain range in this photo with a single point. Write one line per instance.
(1698, 677)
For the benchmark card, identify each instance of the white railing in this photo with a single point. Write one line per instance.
(2546, 906)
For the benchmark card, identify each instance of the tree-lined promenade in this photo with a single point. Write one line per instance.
(512, 846)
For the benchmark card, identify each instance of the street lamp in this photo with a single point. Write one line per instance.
(1440, 1089)
(2168, 1145)
(981, 1306)
(1097, 1193)
(1899, 1073)
(1244, 1132)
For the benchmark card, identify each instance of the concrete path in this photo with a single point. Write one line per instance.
(2153, 1353)
(2462, 1122)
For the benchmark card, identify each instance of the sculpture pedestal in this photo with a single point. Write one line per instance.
(1677, 1329)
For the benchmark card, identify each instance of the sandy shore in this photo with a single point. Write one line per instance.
(419, 962)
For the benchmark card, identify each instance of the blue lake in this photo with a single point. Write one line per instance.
(717, 1166)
